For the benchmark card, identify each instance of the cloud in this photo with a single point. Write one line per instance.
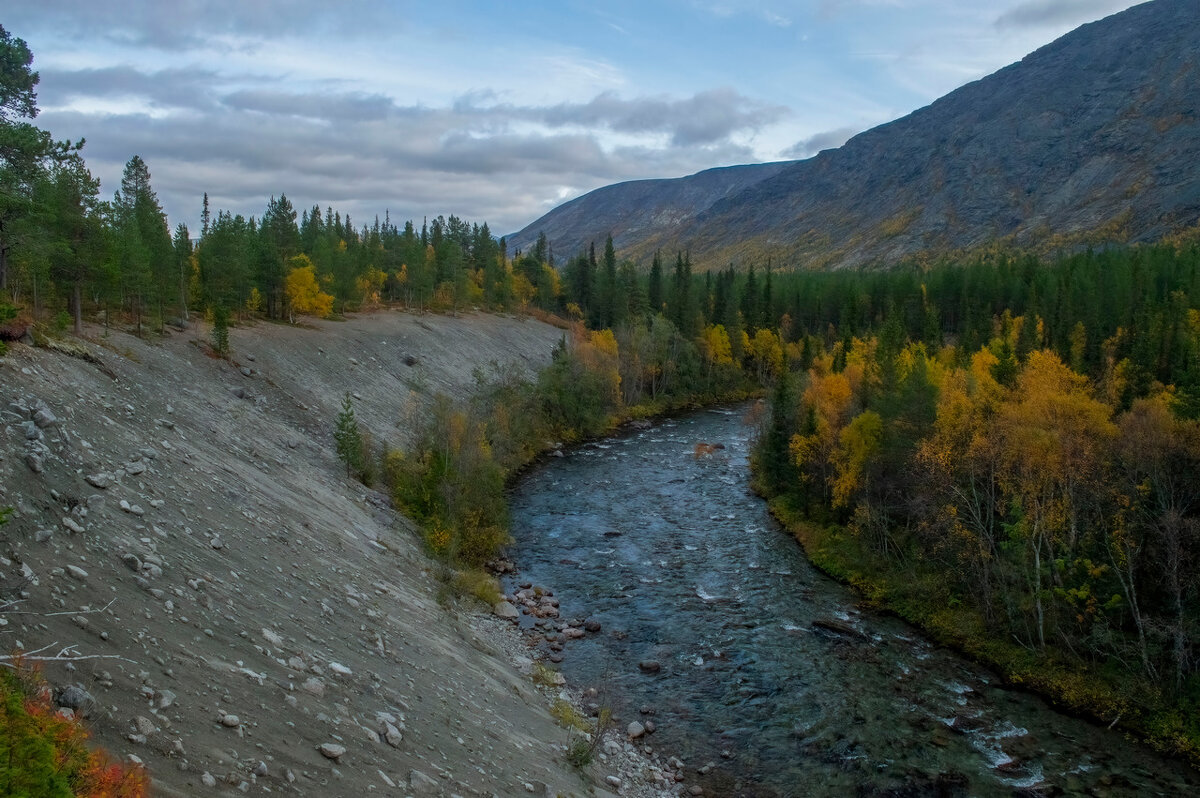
(825, 140)
(168, 88)
(189, 23)
(243, 139)
(1056, 13)
(705, 118)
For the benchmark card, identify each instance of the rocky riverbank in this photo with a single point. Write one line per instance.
(221, 604)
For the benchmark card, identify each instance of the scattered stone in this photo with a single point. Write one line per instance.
(230, 721)
(164, 698)
(613, 782)
(131, 562)
(100, 480)
(420, 784)
(392, 735)
(314, 686)
(332, 751)
(145, 726)
(635, 730)
(217, 543)
(42, 535)
(649, 666)
(340, 669)
(505, 610)
(135, 468)
(591, 626)
(76, 572)
(77, 699)
(44, 418)
(260, 769)
(36, 463)
(208, 780)
(272, 638)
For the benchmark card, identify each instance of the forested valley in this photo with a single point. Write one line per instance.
(1002, 448)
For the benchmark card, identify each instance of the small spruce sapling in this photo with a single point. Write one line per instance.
(349, 438)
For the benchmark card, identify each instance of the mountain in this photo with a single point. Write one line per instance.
(1090, 139)
(639, 209)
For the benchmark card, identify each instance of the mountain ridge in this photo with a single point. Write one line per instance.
(1087, 140)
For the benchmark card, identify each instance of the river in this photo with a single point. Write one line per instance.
(770, 673)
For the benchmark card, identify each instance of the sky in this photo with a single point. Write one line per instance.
(493, 112)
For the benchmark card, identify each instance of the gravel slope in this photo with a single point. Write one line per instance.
(237, 603)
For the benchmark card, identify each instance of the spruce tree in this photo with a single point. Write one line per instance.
(349, 438)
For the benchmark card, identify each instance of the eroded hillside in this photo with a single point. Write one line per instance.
(183, 526)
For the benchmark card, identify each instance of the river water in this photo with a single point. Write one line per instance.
(770, 674)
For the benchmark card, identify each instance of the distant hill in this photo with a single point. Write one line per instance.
(1090, 139)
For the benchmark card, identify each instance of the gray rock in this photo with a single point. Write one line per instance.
(44, 418)
(76, 572)
(649, 666)
(36, 463)
(230, 720)
(420, 784)
(73, 525)
(332, 751)
(77, 699)
(100, 480)
(208, 780)
(505, 610)
(635, 730)
(31, 431)
(131, 562)
(135, 468)
(145, 726)
(392, 735)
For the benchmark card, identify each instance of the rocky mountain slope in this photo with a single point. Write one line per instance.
(638, 209)
(1090, 139)
(222, 603)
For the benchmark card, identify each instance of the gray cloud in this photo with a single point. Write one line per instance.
(190, 23)
(1056, 13)
(332, 107)
(704, 118)
(824, 140)
(366, 154)
(168, 88)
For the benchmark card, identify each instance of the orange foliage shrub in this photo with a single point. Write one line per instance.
(43, 753)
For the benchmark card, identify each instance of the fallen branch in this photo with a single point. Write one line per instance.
(66, 654)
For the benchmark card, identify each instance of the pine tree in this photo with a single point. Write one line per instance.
(220, 330)
(349, 438)
(655, 289)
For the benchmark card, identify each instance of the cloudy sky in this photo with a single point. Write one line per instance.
(492, 111)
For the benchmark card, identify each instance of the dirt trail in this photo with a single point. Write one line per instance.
(186, 519)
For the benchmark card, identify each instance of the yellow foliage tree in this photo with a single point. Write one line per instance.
(715, 346)
(369, 286)
(304, 295)
(857, 444)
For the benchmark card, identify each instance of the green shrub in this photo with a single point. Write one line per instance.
(44, 755)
